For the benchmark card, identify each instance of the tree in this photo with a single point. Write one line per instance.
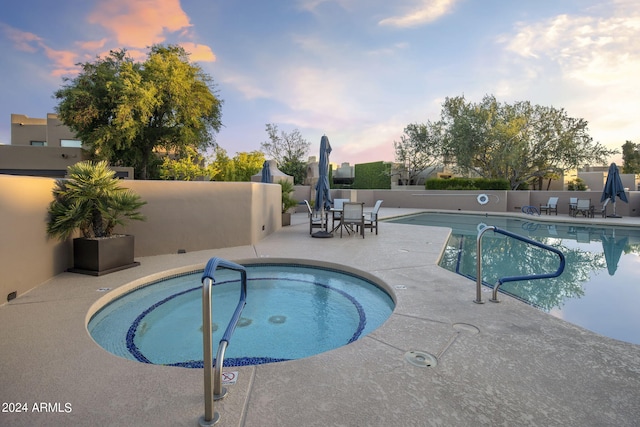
(630, 157)
(186, 168)
(288, 150)
(239, 168)
(521, 142)
(125, 112)
(419, 149)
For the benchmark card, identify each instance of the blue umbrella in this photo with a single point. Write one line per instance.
(612, 188)
(323, 196)
(266, 173)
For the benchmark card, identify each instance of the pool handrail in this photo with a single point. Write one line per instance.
(213, 389)
(494, 297)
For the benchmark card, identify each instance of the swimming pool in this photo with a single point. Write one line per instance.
(598, 290)
(292, 311)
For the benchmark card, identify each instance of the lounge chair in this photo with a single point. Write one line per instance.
(315, 221)
(573, 201)
(584, 207)
(371, 218)
(352, 215)
(551, 206)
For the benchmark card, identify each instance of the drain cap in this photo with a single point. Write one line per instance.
(421, 359)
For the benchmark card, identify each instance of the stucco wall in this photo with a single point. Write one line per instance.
(203, 215)
(180, 215)
(27, 257)
(49, 158)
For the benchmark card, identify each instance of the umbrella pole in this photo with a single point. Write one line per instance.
(323, 233)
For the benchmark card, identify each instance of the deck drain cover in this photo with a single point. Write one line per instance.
(421, 359)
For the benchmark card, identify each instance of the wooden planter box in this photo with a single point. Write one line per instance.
(105, 255)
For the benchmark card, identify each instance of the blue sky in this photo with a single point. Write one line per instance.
(358, 71)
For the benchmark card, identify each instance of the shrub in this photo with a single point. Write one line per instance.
(577, 185)
(466, 184)
(91, 201)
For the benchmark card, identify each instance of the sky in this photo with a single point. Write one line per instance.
(357, 71)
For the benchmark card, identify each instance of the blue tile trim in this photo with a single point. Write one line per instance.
(243, 361)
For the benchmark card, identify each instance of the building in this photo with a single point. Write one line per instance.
(43, 147)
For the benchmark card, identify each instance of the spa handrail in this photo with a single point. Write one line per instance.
(494, 297)
(215, 390)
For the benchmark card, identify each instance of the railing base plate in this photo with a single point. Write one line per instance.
(204, 423)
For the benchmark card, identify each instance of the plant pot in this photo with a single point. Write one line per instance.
(286, 218)
(98, 256)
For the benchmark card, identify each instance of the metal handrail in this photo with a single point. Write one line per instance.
(494, 297)
(213, 389)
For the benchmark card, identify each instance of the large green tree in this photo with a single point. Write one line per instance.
(630, 157)
(288, 150)
(521, 142)
(128, 112)
(418, 149)
(239, 168)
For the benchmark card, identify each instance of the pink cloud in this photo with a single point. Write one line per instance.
(92, 45)
(140, 23)
(22, 40)
(199, 52)
(63, 61)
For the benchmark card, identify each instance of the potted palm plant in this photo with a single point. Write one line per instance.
(287, 201)
(92, 202)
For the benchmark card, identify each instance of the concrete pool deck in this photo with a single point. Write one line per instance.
(497, 364)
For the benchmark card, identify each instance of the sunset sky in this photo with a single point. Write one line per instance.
(358, 71)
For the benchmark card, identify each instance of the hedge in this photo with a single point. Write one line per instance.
(467, 184)
(375, 175)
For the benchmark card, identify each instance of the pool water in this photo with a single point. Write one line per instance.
(598, 290)
(291, 312)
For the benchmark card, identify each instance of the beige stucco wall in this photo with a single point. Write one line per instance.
(181, 215)
(50, 158)
(203, 215)
(27, 257)
(499, 201)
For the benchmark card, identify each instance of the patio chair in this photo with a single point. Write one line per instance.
(573, 201)
(584, 207)
(371, 218)
(551, 206)
(336, 210)
(352, 215)
(315, 221)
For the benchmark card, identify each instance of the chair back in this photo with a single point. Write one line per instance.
(338, 203)
(306, 202)
(352, 211)
(553, 202)
(376, 207)
(573, 200)
(583, 204)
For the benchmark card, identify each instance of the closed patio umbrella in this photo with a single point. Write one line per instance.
(266, 173)
(323, 196)
(613, 188)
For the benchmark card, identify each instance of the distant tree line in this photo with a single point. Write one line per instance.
(520, 142)
(160, 117)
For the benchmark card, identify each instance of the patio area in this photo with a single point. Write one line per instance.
(497, 364)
